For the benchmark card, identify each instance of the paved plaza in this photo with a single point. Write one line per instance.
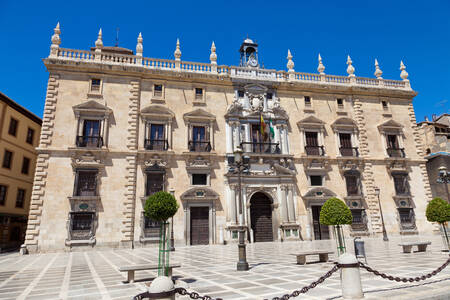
(211, 270)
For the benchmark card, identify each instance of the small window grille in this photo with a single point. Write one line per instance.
(157, 90)
(340, 102)
(241, 94)
(384, 104)
(198, 94)
(307, 101)
(95, 85)
(269, 96)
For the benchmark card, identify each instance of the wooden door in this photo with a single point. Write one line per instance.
(321, 232)
(261, 217)
(199, 225)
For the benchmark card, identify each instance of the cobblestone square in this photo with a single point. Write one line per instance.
(211, 270)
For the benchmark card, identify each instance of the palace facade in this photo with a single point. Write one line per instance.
(118, 127)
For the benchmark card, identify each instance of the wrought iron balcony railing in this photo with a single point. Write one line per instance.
(89, 141)
(199, 146)
(315, 150)
(254, 147)
(396, 152)
(349, 151)
(152, 144)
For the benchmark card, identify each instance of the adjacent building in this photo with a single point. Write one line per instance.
(436, 135)
(19, 136)
(119, 126)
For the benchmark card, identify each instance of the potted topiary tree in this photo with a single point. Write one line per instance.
(438, 211)
(336, 213)
(160, 207)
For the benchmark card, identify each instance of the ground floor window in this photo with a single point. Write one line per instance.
(151, 228)
(407, 220)
(359, 220)
(82, 225)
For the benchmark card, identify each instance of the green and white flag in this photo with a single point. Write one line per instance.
(272, 131)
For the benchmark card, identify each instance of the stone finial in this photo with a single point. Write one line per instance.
(139, 46)
(56, 41)
(55, 37)
(177, 52)
(99, 41)
(290, 64)
(350, 68)
(404, 75)
(213, 55)
(378, 71)
(321, 67)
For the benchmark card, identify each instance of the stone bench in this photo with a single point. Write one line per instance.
(133, 268)
(421, 246)
(323, 256)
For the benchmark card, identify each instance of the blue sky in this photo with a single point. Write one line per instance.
(417, 32)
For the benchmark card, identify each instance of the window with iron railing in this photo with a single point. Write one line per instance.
(91, 137)
(312, 144)
(407, 218)
(393, 148)
(156, 138)
(154, 182)
(86, 183)
(81, 225)
(346, 147)
(401, 184)
(352, 183)
(200, 140)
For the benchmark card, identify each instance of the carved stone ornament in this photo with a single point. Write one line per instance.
(349, 164)
(199, 193)
(397, 166)
(199, 161)
(256, 102)
(155, 161)
(88, 159)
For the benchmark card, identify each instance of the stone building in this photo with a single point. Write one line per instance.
(436, 135)
(19, 134)
(119, 126)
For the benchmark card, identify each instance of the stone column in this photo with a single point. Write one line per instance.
(291, 206)
(229, 135)
(247, 137)
(211, 134)
(265, 103)
(284, 149)
(169, 134)
(277, 136)
(232, 204)
(284, 212)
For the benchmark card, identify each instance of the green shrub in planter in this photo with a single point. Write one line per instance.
(160, 207)
(336, 213)
(438, 210)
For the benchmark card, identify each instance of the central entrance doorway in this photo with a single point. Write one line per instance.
(261, 218)
(321, 232)
(199, 225)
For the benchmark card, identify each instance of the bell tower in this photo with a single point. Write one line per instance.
(249, 54)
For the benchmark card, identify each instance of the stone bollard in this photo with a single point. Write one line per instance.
(350, 277)
(162, 288)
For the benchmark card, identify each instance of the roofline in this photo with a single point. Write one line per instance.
(20, 109)
(435, 154)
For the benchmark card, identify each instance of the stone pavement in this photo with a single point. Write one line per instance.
(211, 270)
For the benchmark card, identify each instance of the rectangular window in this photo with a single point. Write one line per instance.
(155, 183)
(340, 102)
(95, 85)
(156, 139)
(199, 133)
(392, 141)
(401, 184)
(91, 134)
(406, 215)
(352, 185)
(157, 90)
(3, 191)
(307, 101)
(7, 159)
(316, 180)
(198, 94)
(25, 165)
(241, 94)
(13, 127)
(269, 96)
(86, 184)
(312, 139)
(357, 216)
(199, 179)
(384, 104)
(20, 200)
(81, 225)
(30, 136)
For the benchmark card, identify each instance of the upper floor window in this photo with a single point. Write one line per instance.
(340, 103)
(91, 134)
(401, 184)
(346, 148)
(312, 144)
(7, 159)
(3, 191)
(200, 125)
(25, 165)
(392, 133)
(352, 184)
(30, 136)
(155, 137)
(12, 130)
(154, 181)
(307, 101)
(200, 140)
(241, 94)
(261, 140)
(199, 94)
(158, 90)
(316, 180)
(96, 85)
(20, 199)
(199, 179)
(86, 182)
(384, 104)
(393, 148)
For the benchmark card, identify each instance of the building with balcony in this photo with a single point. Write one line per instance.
(19, 136)
(119, 126)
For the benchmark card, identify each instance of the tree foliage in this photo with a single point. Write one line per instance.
(438, 210)
(335, 212)
(160, 206)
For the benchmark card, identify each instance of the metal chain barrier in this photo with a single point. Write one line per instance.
(194, 295)
(405, 279)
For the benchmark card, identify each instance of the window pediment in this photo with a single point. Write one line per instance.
(199, 193)
(390, 125)
(157, 112)
(319, 192)
(92, 108)
(311, 122)
(344, 123)
(199, 115)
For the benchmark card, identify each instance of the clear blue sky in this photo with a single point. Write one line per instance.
(417, 32)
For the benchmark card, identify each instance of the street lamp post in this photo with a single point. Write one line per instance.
(444, 177)
(240, 163)
(377, 192)
(172, 242)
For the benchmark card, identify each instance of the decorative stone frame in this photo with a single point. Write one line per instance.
(199, 165)
(158, 114)
(202, 100)
(312, 124)
(391, 127)
(386, 111)
(345, 125)
(308, 108)
(99, 93)
(158, 98)
(92, 110)
(200, 117)
(315, 196)
(199, 197)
